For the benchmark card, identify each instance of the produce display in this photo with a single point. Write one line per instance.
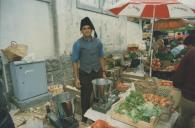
(176, 67)
(166, 83)
(100, 124)
(157, 100)
(120, 86)
(137, 108)
(147, 86)
(169, 68)
(156, 64)
(165, 56)
(133, 55)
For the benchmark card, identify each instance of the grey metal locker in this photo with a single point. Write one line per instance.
(29, 80)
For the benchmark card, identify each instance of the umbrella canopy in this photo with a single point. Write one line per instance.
(189, 3)
(160, 9)
(172, 25)
(188, 28)
(168, 24)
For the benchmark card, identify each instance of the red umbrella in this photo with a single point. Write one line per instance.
(151, 9)
(160, 9)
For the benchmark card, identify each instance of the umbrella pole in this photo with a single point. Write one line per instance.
(174, 34)
(151, 57)
(150, 48)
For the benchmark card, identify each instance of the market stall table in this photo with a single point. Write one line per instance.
(95, 115)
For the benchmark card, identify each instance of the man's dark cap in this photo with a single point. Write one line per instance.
(87, 21)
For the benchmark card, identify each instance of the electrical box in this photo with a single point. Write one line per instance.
(29, 81)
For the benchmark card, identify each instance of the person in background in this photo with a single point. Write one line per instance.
(184, 79)
(147, 42)
(166, 41)
(5, 118)
(88, 62)
(173, 43)
(177, 50)
(186, 46)
(158, 45)
(161, 51)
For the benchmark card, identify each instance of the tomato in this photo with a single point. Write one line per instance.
(100, 124)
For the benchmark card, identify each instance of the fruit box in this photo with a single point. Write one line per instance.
(125, 119)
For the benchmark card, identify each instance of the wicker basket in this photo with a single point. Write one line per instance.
(163, 91)
(145, 87)
(15, 51)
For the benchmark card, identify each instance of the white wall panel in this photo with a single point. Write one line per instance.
(28, 22)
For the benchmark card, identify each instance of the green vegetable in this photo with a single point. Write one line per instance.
(164, 56)
(136, 108)
(133, 55)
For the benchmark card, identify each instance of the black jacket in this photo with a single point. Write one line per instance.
(3, 101)
(184, 77)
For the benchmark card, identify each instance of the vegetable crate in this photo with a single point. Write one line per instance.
(139, 124)
(160, 90)
(127, 120)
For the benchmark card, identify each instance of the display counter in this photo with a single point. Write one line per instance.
(95, 115)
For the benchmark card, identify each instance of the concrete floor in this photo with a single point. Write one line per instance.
(32, 121)
(35, 118)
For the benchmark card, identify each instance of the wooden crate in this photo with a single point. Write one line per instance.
(125, 119)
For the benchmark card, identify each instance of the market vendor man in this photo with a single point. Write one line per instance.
(184, 79)
(88, 62)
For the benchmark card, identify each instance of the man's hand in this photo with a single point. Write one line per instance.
(77, 83)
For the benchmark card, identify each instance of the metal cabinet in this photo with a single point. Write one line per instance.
(29, 79)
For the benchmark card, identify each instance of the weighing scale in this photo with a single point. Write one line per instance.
(63, 117)
(103, 96)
